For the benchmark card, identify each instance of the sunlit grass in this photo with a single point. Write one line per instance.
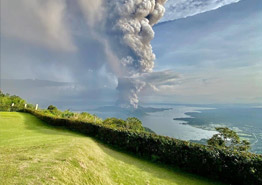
(34, 153)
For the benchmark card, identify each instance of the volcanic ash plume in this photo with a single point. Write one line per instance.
(133, 20)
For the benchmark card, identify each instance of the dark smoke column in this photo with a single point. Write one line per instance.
(133, 21)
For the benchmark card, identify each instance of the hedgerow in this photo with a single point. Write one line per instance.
(229, 166)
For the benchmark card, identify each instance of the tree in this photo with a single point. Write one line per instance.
(52, 109)
(228, 139)
(17, 100)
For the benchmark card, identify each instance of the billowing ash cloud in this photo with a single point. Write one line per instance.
(134, 21)
(125, 30)
(119, 31)
(131, 22)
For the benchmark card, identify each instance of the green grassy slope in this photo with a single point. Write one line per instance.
(34, 153)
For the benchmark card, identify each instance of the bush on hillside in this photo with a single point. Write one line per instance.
(53, 110)
(130, 123)
(115, 122)
(230, 166)
(67, 114)
(134, 124)
(85, 116)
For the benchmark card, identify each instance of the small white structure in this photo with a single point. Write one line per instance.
(25, 106)
(36, 106)
(13, 104)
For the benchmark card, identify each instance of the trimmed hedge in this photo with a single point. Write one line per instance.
(232, 167)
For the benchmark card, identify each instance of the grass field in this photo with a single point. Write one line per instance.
(34, 153)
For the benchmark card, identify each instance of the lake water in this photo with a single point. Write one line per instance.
(196, 123)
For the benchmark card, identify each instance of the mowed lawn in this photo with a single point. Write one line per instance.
(33, 153)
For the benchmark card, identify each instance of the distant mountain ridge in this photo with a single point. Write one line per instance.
(140, 111)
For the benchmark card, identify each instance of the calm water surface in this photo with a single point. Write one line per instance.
(196, 123)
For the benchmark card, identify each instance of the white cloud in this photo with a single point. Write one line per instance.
(238, 85)
(159, 79)
(40, 22)
(218, 53)
(176, 9)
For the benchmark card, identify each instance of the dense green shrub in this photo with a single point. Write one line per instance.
(11, 103)
(67, 114)
(115, 122)
(52, 108)
(130, 123)
(230, 166)
(134, 124)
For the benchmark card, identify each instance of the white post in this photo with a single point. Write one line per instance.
(36, 106)
(25, 106)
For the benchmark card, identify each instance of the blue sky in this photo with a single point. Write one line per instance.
(208, 52)
(219, 54)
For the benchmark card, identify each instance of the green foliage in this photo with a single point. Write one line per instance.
(130, 123)
(52, 108)
(228, 139)
(6, 102)
(115, 122)
(230, 166)
(85, 116)
(1, 94)
(134, 123)
(67, 114)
